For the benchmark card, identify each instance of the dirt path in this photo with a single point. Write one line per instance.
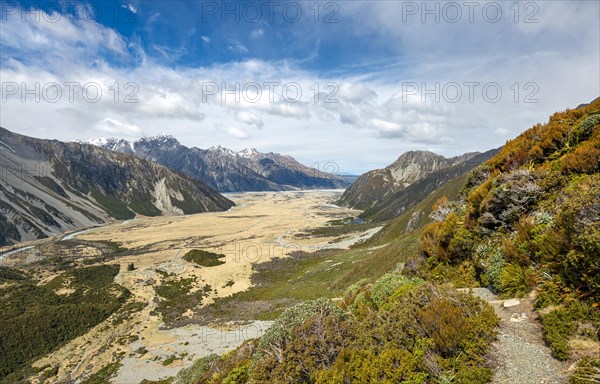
(519, 355)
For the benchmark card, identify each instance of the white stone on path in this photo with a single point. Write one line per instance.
(511, 303)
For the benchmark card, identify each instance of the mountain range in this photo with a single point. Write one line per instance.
(228, 171)
(49, 187)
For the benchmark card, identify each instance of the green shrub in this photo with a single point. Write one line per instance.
(170, 360)
(385, 286)
(390, 365)
(516, 280)
(464, 275)
(578, 233)
(494, 264)
(559, 325)
(355, 294)
(176, 297)
(549, 293)
(583, 130)
(204, 258)
(233, 367)
(462, 245)
(238, 375)
(277, 336)
(444, 323)
(473, 375)
(198, 368)
(313, 346)
(11, 274)
(104, 375)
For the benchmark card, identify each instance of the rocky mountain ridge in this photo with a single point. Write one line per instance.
(227, 170)
(374, 187)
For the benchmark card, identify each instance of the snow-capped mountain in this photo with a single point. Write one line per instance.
(227, 170)
(111, 143)
(248, 153)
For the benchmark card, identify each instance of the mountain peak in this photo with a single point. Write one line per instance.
(375, 187)
(248, 152)
(221, 149)
(419, 154)
(163, 135)
(111, 143)
(161, 139)
(160, 136)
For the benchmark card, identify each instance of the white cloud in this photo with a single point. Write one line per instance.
(206, 39)
(237, 133)
(249, 118)
(130, 7)
(387, 128)
(257, 33)
(56, 35)
(158, 102)
(118, 128)
(170, 54)
(236, 46)
(354, 92)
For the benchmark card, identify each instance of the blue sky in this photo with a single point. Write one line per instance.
(319, 36)
(398, 73)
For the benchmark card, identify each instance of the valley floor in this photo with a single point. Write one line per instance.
(261, 227)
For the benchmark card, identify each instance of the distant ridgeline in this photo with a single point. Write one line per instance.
(229, 171)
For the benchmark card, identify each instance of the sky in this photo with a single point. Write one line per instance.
(356, 83)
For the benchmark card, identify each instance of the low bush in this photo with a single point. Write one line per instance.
(444, 323)
(204, 258)
(560, 324)
(516, 280)
(197, 369)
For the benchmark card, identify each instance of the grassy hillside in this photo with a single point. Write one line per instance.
(529, 221)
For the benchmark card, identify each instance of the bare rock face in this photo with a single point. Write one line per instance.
(49, 187)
